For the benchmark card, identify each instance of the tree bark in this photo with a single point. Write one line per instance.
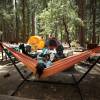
(17, 24)
(67, 33)
(61, 35)
(94, 20)
(24, 24)
(81, 5)
(33, 23)
(56, 35)
(28, 21)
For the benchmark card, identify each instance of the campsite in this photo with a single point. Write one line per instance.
(49, 50)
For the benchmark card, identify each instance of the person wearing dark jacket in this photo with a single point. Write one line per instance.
(59, 55)
(43, 63)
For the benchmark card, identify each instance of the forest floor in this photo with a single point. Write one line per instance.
(90, 86)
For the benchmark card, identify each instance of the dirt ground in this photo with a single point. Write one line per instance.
(90, 86)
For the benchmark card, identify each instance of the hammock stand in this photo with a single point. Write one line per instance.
(75, 82)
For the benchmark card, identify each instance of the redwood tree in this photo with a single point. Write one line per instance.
(81, 5)
(94, 21)
(23, 20)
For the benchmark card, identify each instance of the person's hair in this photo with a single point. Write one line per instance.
(60, 48)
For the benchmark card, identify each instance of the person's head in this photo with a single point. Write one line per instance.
(60, 49)
(60, 52)
(21, 45)
(46, 57)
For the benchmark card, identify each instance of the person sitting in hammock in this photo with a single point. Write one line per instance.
(22, 47)
(25, 50)
(44, 63)
(59, 55)
(45, 50)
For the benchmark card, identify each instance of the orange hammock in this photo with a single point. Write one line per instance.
(56, 67)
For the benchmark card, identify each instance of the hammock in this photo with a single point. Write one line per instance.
(56, 67)
(26, 60)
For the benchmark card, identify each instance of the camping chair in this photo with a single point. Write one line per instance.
(57, 67)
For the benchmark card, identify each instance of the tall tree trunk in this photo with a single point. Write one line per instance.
(33, 23)
(94, 20)
(17, 24)
(4, 24)
(1, 28)
(67, 33)
(61, 35)
(56, 35)
(81, 5)
(28, 20)
(24, 24)
(28, 17)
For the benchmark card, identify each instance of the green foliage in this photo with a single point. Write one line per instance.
(6, 18)
(53, 16)
(50, 17)
(89, 20)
